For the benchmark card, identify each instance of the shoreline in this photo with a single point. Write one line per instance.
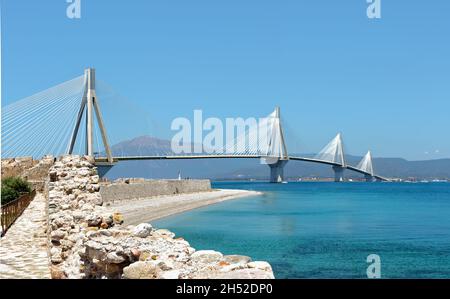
(155, 208)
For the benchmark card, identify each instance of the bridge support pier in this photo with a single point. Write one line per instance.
(369, 178)
(277, 171)
(103, 166)
(338, 173)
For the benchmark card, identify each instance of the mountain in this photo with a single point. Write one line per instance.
(251, 168)
(150, 146)
(140, 146)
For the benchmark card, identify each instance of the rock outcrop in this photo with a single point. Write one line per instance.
(87, 240)
(121, 253)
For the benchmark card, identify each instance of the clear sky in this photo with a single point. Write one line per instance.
(385, 84)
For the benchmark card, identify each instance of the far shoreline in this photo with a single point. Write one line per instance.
(150, 209)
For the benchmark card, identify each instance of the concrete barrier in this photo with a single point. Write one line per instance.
(127, 190)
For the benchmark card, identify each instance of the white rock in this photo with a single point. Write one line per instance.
(231, 267)
(58, 222)
(93, 220)
(206, 256)
(87, 207)
(140, 270)
(237, 259)
(55, 251)
(57, 235)
(95, 179)
(142, 230)
(55, 255)
(260, 265)
(190, 250)
(172, 274)
(85, 164)
(165, 232)
(78, 215)
(166, 265)
(84, 172)
(95, 198)
(113, 258)
(243, 274)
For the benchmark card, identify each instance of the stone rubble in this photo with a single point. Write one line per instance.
(87, 240)
(120, 253)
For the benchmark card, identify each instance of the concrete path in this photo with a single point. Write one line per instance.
(23, 250)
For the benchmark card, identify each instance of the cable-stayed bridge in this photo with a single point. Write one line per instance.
(67, 119)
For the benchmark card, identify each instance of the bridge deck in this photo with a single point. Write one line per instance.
(104, 161)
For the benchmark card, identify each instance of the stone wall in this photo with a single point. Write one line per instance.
(75, 207)
(87, 240)
(140, 188)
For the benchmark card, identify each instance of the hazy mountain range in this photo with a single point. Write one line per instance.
(251, 168)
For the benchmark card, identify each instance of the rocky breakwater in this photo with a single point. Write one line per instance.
(88, 240)
(141, 252)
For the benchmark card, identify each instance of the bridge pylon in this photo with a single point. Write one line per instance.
(90, 104)
(340, 156)
(366, 165)
(277, 154)
(333, 152)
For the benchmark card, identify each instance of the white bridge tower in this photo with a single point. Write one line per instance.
(90, 103)
(277, 154)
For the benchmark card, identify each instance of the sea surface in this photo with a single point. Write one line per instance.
(327, 230)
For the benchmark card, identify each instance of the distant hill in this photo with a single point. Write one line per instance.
(251, 168)
(143, 145)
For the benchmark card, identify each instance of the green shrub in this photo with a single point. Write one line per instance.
(18, 184)
(12, 187)
(9, 195)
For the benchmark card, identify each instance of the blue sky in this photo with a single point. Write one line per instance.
(385, 84)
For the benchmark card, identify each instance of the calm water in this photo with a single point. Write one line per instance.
(327, 230)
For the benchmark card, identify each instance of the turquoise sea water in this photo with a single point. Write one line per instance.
(327, 230)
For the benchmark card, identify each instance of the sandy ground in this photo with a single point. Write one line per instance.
(149, 209)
